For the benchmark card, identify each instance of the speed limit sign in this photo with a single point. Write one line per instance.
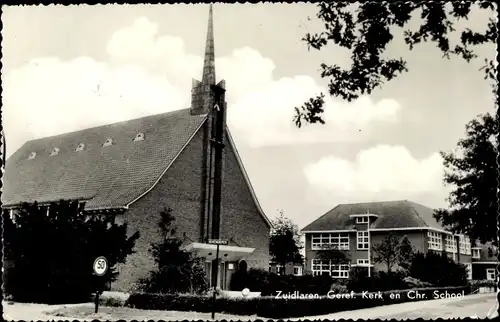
(100, 265)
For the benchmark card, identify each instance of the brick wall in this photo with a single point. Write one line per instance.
(180, 190)
(240, 218)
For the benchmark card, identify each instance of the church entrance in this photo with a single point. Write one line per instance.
(223, 276)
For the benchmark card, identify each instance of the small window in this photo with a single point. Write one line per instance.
(139, 137)
(32, 155)
(490, 274)
(109, 141)
(80, 147)
(361, 220)
(55, 151)
(363, 262)
(476, 253)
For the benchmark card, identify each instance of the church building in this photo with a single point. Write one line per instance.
(185, 160)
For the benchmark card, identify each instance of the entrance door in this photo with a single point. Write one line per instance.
(222, 276)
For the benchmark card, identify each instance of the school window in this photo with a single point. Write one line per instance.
(330, 241)
(435, 242)
(363, 262)
(490, 274)
(476, 253)
(297, 270)
(465, 245)
(323, 267)
(361, 220)
(362, 240)
(451, 244)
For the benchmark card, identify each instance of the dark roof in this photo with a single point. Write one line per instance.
(104, 177)
(391, 214)
(107, 177)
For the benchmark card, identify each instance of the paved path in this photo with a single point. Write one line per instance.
(479, 305)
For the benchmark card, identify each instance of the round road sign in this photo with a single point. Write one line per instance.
(100, 265)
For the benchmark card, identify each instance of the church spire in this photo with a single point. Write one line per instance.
(201, 96)
(209, 62)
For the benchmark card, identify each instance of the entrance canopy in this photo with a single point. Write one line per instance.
(226, 253)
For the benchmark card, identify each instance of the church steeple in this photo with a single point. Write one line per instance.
(201, 99)
(209, 62)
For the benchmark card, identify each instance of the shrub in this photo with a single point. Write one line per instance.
(482, 283)
(177, 270)
(438, 269)
(337, 288)
(378, 281)
(416, 283)
(50, 254)
(277, 308)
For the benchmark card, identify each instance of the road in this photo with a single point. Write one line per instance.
(478, 305)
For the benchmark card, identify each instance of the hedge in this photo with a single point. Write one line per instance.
(280, 308)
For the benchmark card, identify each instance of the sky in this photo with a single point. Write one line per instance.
(67, 68)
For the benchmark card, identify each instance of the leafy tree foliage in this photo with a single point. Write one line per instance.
(366, 29)
(284, 242)
(50, 255)
(393, 250)
(333, 255)
(438, 269)
(178, 271)
(472, 171)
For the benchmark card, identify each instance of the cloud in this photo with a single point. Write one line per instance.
(388, 171)
(148, 73)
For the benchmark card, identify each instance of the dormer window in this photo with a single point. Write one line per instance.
(361, 220)
(80, 147)
(109, 141)
(55, 151)
(32, 155)
(139, 137)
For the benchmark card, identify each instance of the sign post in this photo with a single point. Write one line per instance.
(100, 268)
(216, 268)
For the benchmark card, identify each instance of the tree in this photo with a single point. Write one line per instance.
(284, 242)
(178, 271)
(393, 250)
(472, 170)
(366, 29)
(333, 255)
(438, 269)
(50, 253)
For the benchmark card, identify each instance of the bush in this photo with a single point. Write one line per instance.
(267, 283)
(438, 269)
(378, 281)
(482, 283)
(177, 270)
(277, 308)
(416, 283)
(50, 255)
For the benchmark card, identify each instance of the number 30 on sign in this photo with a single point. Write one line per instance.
(100, 266)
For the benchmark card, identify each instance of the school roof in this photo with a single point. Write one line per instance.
(391, 214)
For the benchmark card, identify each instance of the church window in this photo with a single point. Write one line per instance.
(32, 155)
(55, 151)
(139, 137)
(80, 147)
(109, 141)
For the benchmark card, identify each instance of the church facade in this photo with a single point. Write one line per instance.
(133, 170)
